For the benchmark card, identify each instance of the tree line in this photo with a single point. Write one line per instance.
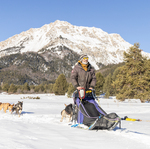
(128, 81)
(132, 80)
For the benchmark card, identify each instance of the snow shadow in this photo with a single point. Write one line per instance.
(24, 112)
(137, 132)
(128, 131)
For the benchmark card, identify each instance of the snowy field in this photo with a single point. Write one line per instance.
(39, 125)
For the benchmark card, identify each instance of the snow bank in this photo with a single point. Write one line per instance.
(132, 101)
(39, 125)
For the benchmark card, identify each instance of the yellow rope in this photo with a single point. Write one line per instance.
(132, 119)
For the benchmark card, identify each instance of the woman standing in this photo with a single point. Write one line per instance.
(83, 74)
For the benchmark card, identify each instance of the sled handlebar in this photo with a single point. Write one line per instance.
(93, 92)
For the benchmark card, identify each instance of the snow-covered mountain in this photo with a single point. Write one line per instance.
(100, 46)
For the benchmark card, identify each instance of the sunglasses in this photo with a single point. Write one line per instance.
(85, 58)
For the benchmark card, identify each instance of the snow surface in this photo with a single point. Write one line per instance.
(39, 125)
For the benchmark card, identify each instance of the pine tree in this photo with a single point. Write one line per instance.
(12, 88)
(32, 87)
(133, 79)
(71, 89)
(46, 90)
(50, 87)
(108, 88)
(114, 77)
(5, 87)
(61, 85)
(107, 94)
(39, 88)
(26, 87)
(99, 83)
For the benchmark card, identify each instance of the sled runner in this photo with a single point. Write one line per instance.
(89, 113)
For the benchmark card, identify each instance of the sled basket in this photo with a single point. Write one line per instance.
(92, 115)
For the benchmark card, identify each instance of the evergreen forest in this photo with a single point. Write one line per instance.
(127, 80)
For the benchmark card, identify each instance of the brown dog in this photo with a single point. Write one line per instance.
(6, 106)
(67, 112)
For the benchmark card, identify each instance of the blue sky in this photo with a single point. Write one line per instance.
(129, 18)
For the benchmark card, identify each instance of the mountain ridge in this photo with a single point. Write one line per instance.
(41, 54)
(100, 46)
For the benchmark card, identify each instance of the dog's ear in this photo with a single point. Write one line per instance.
(70, 104)
(65, 105)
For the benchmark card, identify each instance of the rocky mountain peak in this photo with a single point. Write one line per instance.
(100, 46)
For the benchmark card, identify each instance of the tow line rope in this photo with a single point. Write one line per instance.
(133, 119)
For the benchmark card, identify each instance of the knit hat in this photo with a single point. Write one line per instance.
(82, 56)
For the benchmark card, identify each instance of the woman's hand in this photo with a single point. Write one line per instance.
(79, 87)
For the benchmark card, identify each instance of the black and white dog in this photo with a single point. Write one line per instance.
(18, 108)
(68, 112)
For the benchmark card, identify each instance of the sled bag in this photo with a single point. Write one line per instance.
(89, 113)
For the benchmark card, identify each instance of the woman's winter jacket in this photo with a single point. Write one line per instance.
(80, 77)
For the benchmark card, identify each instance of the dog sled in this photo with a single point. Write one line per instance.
(87, 112)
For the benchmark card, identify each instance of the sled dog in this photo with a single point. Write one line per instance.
(18, 108)
(6, 106)
(67, 112)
